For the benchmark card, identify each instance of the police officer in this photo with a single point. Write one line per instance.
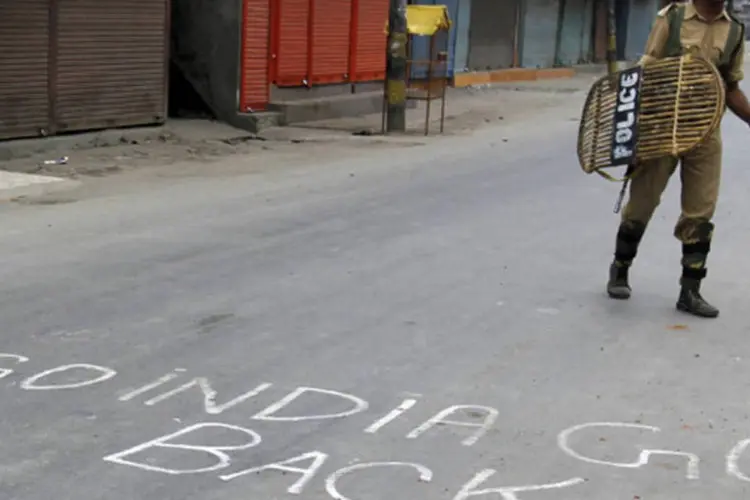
(702, 27)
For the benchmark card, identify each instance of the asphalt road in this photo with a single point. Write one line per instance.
(416, 323)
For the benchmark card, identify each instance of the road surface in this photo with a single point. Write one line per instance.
(411, 323)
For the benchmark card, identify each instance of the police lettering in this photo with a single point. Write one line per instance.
(625, 119)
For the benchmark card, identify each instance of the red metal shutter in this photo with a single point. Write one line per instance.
(24, 46)
(291, 42)
(372, 16)
(330, 41)
(112, 63)
(254, 85)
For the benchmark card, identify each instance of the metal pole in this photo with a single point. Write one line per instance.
(611, 38)
(396, 67)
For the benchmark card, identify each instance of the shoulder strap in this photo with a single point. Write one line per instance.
(735, 37)
(675, 16)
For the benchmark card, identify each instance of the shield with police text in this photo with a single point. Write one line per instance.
(663, 108)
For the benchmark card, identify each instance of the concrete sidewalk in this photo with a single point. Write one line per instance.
(15, 184)
(470, 107)
(201, 143)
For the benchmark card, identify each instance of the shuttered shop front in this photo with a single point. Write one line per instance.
(575, 32)
(69, 66)
(540, 33)
(331, 30)
(492, 34)
(111, 63)
(291, 19)
(24, 93)
(642, 17)
(369, 39)
(327, 41)
(255, 40)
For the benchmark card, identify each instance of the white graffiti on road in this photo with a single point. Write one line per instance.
(472, 422)
(643, 459)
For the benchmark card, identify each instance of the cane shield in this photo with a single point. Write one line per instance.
(663, 108)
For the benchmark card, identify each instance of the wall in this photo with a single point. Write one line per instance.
(461, 46)
(540, 33)
(492, 34)
(206, 47)
(600, 31)
(640, 21)
(574, 38)
(587, 35)
(457, 43)
(622, 15)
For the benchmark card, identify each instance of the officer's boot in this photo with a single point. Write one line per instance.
(629, 236)
(693, 271)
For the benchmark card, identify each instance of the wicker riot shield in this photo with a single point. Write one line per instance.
(664, 108)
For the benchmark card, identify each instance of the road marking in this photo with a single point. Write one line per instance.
(508, 492)
(643, 457)
(164, 442)
(425, 475)
(360, 405)
(153, 385)
(105, 374)
(440, 419)
(393, 415)
(209, 395)
(4, 372)
(482, 418)
(318, 459)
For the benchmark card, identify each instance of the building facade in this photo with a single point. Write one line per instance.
(309, 43)
(70, 66)
(81, 65)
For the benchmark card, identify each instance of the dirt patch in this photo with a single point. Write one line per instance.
(23, 200)
(203, 142)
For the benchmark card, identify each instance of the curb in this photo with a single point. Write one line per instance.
(14, 185)
(510, 76)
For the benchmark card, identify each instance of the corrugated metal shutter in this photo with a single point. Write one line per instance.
(540, 33)
(112, 63)
(254, 92)
(292, 42)
(24, 43)
(461, 46)
(576, 23)
(330, 40)
(369, 63)
(492, 34)
(642, 16)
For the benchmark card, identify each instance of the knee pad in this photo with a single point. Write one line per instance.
(704, 231)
